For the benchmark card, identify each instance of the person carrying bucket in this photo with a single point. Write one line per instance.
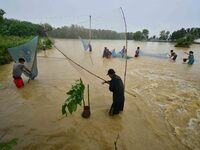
(190, 58)
(18, 68)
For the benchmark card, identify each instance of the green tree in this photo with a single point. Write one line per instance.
(138, 36)
(178, 34)
(145, 33)
(2, 12)
(164, 35)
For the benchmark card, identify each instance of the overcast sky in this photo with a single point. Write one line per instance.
(154, 15)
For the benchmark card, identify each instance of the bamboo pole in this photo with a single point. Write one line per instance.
(88, 96)
(126, 47)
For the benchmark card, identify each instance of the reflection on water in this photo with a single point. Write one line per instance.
(164, 114)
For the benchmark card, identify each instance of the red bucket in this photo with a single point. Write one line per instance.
(18, 82)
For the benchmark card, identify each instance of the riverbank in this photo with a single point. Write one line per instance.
(12, 41)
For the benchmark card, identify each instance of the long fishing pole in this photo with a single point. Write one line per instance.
(79, 65)
(90, 37)
(126, 46)
(87, 69)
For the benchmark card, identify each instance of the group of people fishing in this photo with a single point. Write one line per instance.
(116, 85)
(189, 60)
(109, 54)
(172, 55)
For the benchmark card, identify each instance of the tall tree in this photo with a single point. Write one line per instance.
(164, 35)
(138, 36)
(2, 12)
(145, 33)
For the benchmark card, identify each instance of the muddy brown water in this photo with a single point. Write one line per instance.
(162, 112)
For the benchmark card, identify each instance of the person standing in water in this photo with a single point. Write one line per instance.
(18, 68)
(172, 55)
(107, 53)
(123, 51)
(137, 52)
(116, 86)
(90, 47)
(190, 58)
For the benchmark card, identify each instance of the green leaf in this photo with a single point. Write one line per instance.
(75, 97)
(64, 109)
(8, 145)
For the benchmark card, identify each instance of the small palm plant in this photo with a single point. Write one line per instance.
(75, 97)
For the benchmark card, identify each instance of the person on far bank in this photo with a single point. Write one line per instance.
(190, 58)
(172, 55)
(18, 69)
(137, 52)
(116, 86)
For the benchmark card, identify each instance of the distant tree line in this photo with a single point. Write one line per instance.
(182, 37)
(74, 31)
(11, 29)
(14, 32)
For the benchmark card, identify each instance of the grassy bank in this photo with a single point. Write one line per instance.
(12, 41)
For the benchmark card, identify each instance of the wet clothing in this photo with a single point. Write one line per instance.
(173, 56)
(17, 70)
(90, 47)
(18, 82)
(122, 52)
(117, 87)
(137, 53)
(107, 53)
(190, 59)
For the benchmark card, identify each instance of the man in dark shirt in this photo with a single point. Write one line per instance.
(117, 87)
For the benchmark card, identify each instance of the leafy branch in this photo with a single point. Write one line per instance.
(75, 97)
(8, 145)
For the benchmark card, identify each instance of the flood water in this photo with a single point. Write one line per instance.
(162, 106)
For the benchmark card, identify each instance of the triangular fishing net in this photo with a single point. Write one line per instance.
(28, 51)
(102, 30)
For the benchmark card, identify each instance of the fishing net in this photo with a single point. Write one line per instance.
(154, 55)
(28, 51)
(83, 42)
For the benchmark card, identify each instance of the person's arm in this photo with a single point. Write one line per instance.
(186, 53)
(112, 86)
(26, 70)
(108, 82)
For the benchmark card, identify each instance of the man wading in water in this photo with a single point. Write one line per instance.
(18, 68)
(117, 87)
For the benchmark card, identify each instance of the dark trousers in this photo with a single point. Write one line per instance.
(116, 107)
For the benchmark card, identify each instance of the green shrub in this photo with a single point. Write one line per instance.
(75, 97)
(183, 42)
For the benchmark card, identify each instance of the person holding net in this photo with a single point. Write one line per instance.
(107, 53)
(18, 68)
(123, 51)
(172, 55)
(190, 58)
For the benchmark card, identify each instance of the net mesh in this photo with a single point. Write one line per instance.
(97, 31)
(28, 51)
